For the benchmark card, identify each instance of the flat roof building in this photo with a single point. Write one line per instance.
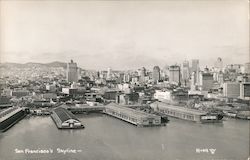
(195, 65)
(185, 70)
(245, 90)
(174, 74)
(231, 89)
(206, 81)
(156, 74)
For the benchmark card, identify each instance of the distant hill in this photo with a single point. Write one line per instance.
(32, 64)
(7, 65)
(56, 64)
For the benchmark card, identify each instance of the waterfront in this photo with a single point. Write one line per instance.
(108, 138)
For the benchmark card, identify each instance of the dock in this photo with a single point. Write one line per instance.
(64, 119)
(85, 108)
(185, 113)
(138, 118)
(10, 117)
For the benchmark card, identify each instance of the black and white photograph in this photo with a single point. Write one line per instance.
(124, 80)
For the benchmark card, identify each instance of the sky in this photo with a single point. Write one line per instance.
(124, 34)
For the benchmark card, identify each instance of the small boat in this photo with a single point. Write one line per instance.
(230, 114)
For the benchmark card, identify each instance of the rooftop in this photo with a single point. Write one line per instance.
(64, 114)
(179, 108)
(129, 111)
(8, 112)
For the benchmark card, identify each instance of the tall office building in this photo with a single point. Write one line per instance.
(247, 68)
(231, 89)
(206, 80)
(193, 81)
(72, 73)
(109, 73)
(218, 65)
(79, 73)
(195, 66)
(220, 77)
(185, 72)
(245, 90)
(156, 74)
(121, 75)
(142, 74)
(174, 74)
(126, 78)
(166, 72)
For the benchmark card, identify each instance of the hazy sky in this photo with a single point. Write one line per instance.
(124, 34)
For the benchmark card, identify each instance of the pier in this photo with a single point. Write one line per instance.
(84, 108)
(10, 117)
(184, 113)
(132, 116)
(64, 119)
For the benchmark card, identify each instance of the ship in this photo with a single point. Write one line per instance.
(10, 116)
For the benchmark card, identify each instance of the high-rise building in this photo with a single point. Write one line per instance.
(195, 65)
(174, 74)
(156, 74)
(79, 73)
(220, 78)
(165, 71)
(206, 80)
(245, 90)
(193, 81)
(185, 70)
(109, 73)
(72, 74)
(120, 78)
(142, 74)
(126, 78)
(247, 68)
(218, 65)
(135, 80)
(231, 89)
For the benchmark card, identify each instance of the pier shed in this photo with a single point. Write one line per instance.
(64, 119)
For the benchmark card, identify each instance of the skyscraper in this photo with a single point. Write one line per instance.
(142, 74)
(247, 68)
(193, 81)
(126, 77)
(185, 72)
(156, 74)
(206, 80)
(174, 74)
(231, 89)
(166, 72)
(245, 90)
(109, 73)
(195, 65)
(72, 74)
(218, 65)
